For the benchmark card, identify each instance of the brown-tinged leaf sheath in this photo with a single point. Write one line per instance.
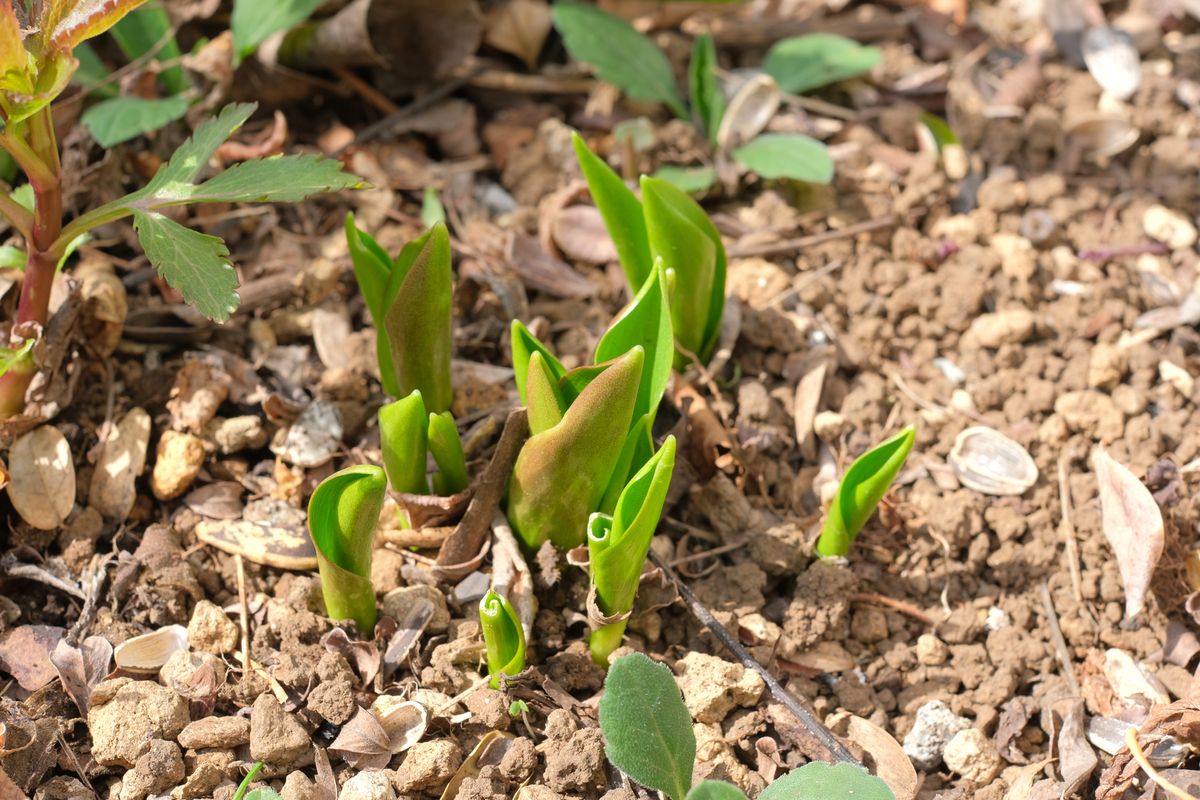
(561, 473)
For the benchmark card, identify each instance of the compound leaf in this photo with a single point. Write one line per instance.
(194, 263)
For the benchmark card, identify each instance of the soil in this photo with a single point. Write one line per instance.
(1009, 283)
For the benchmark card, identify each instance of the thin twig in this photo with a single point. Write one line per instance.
(792, 245)
(806, 717)
(382, 127)
(244, 616)
(715, 551)
(894, 604)
(1135, 749)
(1072, 547)
(1056, 638)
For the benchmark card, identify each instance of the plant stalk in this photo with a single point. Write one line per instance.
(605, 639)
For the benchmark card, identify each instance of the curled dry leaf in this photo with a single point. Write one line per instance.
(363, 742)
(542, 271)
(121, 460)
(42, 484)
(580, 233)
(519, 27)
(1077, 760)
(81, 668)
(220, 500)
(891, 765)
(404, 721)
(1133, 525)
(25, 654)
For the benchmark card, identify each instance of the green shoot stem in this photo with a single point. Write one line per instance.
(17, 215)
(245, 784)
(604, 640)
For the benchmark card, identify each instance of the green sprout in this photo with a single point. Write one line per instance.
(407, 436)
(503, 636)
(648, 735)
(518, 708)
(409, 298)
(669, 225)
(860, 491)
(617, 547)
(342, 516)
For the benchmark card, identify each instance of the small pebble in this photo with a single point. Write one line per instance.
(933, 728)
(931, 651)
(180, 456)
(1169, 227)
(829, 425)
(972, 755)
(211, 631)
(370, 784)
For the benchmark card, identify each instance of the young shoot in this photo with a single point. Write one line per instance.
(408, 435)
(409, 298)
(648, 735)
(342, 516)
(37, 43)
(503, 636)
(665, 224)
(861, 489)
(617, 548)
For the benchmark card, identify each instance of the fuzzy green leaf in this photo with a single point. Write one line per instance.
(342, 516)
(524, 344)
(621, 211)
(254, 21)
(123, 118)
(545, 402)
(717, 790)
(693, 180)
(561, 474)
(793, 156)
(621, 55)
(683, 236)
(645, 322)
(417, 320)
(708, 100)
(861, 489)
(403, 437)
(617, 545)
(503, 636)
(446, 448)
(647, 728)
(820, 781)
(803, 63)
(194, 263)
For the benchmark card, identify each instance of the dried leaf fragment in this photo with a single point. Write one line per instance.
(122, 459)
(42, 484)
(519, 27)
(1133, 525)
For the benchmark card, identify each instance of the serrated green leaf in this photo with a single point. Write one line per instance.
(254, 21)
(620, 54)
(194, 263)
(787, 155)
(803, 63)
(561, 474)
(617, 546)
(718, 790)
(647, 728)
(820, 781)
(141, 32)
(645, 322)
(503, 636)
(693, 180)
(279, 179)
(403, 438)
(445, 446)
(708, 100)
(683, 236)
(120, 119)
(342, 516)
(861, 489)
(417, 320)
(621, 211)
(192, 156)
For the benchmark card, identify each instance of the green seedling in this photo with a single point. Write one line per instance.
(36, 64)
(343, 514)
(628, 59)
(860, 491)
(518, 708)
(409, 298)
(503, 636)
(617, 547)
(669, 225)
(648, 735)
(408, 435)
(262, 793)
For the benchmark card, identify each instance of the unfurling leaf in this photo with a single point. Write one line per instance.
(803, 63)
(793, 156)
(647, 728)
(342, 516)
(621, 55)
(617, 546)
(503, 636)
(403, 438)
(445, 446)
(683, 236)
(1133, 525)
(817, 779)
(524, 345)
(708, 100)
(861, 489)
(621, 211)
(561, 474)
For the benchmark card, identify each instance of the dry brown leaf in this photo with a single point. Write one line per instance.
(220, 500)
(25, 654)
(122, 459)
(519, 27)
(363, 742)
(892, 766)
(542, 271)
(42, 483)
(81, 668)
(1133, 525)
(1076, 759)
(580, 233)
(809, 391)
(331, 332)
